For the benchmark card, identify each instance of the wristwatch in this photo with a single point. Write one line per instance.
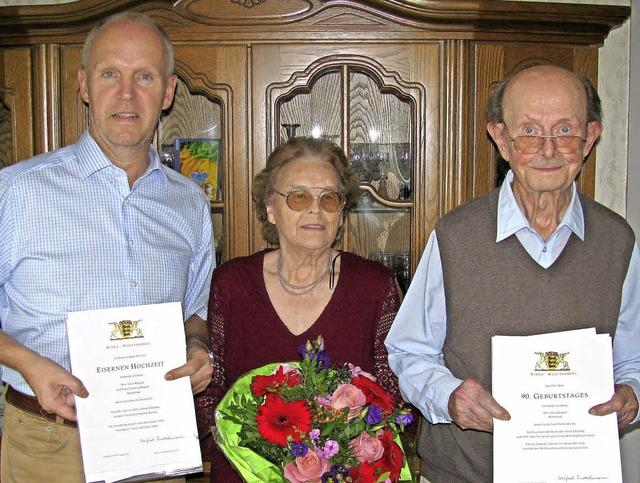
(204, 345)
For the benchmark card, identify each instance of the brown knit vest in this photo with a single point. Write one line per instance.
(498, 289)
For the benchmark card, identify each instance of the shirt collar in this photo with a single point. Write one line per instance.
(92, 159)
(511, 218)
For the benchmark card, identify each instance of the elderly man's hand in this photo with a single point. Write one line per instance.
(471, 406)
(624, 402)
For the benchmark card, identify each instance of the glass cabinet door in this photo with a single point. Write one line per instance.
(190, 141)
(349, 105)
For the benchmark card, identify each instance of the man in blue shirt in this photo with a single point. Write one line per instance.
(531, 257)
(95, 225)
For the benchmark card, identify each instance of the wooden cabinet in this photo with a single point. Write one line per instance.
(373, 101)
(401, 85)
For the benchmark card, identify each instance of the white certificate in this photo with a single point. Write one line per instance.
(548, 383)
(134, 425)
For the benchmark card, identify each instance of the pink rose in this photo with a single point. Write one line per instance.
(348, 396)
(366, 448)
(308, 468)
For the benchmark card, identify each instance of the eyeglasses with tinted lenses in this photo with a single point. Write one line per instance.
(300, 199)
(562, 144)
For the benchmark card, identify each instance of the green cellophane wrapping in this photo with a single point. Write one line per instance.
(252, 467)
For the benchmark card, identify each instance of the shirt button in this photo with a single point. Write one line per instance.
(134, 284)
(126, 202)
(544, 250)
(130, 243)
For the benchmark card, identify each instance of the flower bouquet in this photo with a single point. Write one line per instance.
(312, 422)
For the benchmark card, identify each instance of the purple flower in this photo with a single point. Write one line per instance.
(340, 469)
(299, 449)
(330, 477)
(373, 415)
(331, 448)
(322, 358)
(336, 474)
(323, 361)
(404, 419)
(302, 350)
(314, 434)
(323, 400)
(314, 350)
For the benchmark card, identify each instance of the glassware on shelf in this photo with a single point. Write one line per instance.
(382, 187)
(376, 165)
(402, 269)
(399, 263)
(334, 138)
(166, 155)
(291, 130)
(405, 191)
(386, 258)
(402, 161)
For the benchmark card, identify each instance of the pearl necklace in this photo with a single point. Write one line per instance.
(290, 288)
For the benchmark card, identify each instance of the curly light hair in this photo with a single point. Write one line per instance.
(297, 148)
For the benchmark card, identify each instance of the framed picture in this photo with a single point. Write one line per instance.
(199, 160)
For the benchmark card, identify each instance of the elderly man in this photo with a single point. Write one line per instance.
(115, 228)
(533, 256)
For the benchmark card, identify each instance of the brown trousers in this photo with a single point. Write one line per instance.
(36, 449)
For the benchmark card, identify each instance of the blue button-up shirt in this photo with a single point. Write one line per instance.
(75, 236)
(417, 335)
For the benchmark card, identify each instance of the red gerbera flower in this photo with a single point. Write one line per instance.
(261, 384)
(366, 473)
(277, 420)
(374, 393)
(391, 460)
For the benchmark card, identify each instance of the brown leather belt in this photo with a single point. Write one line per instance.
(31, 405)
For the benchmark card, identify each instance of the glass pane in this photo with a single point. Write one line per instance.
(381, 233)
(193, 127)
(217, 219)
(380, 138)
(314, 112)
(380, 150)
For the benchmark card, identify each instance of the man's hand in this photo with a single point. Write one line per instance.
(198, 367)
(471, 406)
(54, 387)
(624, 402)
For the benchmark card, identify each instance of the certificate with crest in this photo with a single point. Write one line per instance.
(134, 425)
(548, 383)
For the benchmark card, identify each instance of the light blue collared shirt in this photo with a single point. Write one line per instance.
(74, 236)
(417, 335)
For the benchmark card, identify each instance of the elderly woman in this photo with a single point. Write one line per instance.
(264, 306)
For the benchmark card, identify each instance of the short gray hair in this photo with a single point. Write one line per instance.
(134, 17)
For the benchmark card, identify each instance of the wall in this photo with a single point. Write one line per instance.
(633, 166)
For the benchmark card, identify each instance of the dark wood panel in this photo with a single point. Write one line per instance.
(17, 85)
